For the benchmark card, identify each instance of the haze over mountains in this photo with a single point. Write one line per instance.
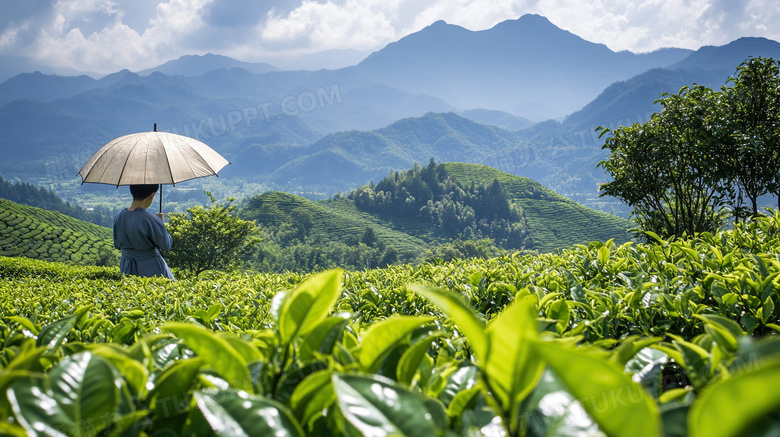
(444, 92)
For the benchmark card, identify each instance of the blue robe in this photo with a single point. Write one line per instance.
(141, 236)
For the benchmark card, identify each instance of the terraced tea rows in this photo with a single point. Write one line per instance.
(554, 221)
(333, 220)
(47, 235)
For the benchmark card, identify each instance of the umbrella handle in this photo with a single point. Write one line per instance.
(161, 197)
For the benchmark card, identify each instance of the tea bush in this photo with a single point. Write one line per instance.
(671, 338)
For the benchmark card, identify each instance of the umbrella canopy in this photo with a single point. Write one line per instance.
(151, 158)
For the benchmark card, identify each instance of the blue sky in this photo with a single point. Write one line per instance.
(106, 36)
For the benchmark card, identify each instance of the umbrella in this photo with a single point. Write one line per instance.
(151, 158)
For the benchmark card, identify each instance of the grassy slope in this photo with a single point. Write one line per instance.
(554, 221)
(48, 235)
(333, 220)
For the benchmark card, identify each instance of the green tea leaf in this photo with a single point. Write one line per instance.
(312, 396)
(232, 413)
(172, 385)
(375, 406)
(383, 336)
(726, 408)
(303, 308)
(512, 367)
(464, 378)
(131, 370)
(461, 314)
(559, 310)
(215, 352)
(462, 400)
(126, 422)
(250, 353)
(37, 411)
(411, 358)
(724, 331)
(26, 323)
(51, 336)
(695, 361)
(608, 395)
(323, 338)
(86, 388)
(630, 346)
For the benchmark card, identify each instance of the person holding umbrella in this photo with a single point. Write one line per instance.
(143, 160)
(141, 236)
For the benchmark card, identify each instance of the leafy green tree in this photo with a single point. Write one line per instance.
(211, 238)
(369, 237)
(704, 150)
(753, 121)
(671, 168)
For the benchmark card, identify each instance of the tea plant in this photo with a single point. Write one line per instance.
(672, 338)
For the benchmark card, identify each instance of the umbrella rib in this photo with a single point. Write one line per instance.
(127, 159)
(167, 161)
(205, 162)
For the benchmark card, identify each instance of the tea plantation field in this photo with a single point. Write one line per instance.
(48, 235)
(675, 338)
(553, 221)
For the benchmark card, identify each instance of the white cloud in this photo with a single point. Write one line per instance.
(106, 36)
(63, 38)
(356, 24)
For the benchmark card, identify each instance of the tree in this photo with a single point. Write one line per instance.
(210, 238)
(753, 122)
(369, 237)
(671, 168)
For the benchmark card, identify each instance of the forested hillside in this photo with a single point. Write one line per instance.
(28, 194)
(429, 194)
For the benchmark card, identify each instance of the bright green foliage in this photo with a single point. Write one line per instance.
(753, 120)
(234, 414)
(609, 396)
(669, 169)
(634, 339)
(704, 150)
(716, 414)
(209, 238)
(48, 235)
(378, 407)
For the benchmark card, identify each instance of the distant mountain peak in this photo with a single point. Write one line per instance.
(197, 65)
(727, 57)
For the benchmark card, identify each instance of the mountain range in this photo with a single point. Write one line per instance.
(523, 97)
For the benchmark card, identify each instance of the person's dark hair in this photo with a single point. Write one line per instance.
(141, 192)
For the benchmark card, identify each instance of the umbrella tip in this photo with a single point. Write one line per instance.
(155, 127)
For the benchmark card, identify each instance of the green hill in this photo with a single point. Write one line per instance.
(553, 220)
(48, 235)
(40, 197)
(333, 220)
